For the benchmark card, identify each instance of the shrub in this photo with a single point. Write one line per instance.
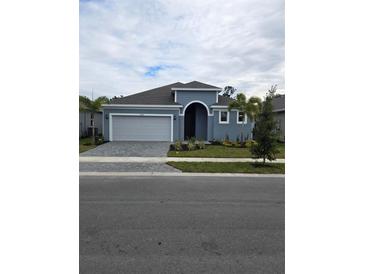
(200, 144)
(236, 144)
(217, 142)
(226, 137)
(178, 146)
(87, 144)
(99, 140)
(191, 146)
(250, 143)
(227, 143)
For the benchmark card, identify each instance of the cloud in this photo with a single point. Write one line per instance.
(133, 45)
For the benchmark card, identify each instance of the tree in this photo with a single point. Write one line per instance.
(92, 106)
(250, 107)
(265, 131)
(228, 91)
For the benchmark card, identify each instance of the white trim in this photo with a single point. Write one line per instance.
(202, 89)
(192, 102)
(175, 96)
(220, 113)
(219, 106)
(216, 97)
(244, 119)
(140, 106)
(140, 114)
(138, 109)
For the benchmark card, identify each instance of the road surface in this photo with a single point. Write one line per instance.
(181, 225)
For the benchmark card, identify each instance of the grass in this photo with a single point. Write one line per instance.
(213, 167)
(83, 144)
(220, 151)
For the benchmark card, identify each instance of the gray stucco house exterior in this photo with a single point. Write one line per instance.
(174, 112)
(85, 123)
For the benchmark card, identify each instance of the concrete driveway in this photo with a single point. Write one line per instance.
(130, 149)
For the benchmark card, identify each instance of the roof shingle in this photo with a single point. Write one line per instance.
(158, 96)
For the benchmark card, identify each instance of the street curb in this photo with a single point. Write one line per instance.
(101, 159)
(187, 174)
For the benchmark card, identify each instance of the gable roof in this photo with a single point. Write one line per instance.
(158, 96)
(278, 103)
(195, 84)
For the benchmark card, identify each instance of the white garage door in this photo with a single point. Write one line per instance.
(141, 128)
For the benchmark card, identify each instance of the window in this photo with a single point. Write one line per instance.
(241, 118)
(223, 117)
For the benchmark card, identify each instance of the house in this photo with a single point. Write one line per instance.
(85, 126)
(174, 112)
(278, 103)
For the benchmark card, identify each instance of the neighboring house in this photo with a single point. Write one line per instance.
(85, 123)
(174, 112)
(278, 103)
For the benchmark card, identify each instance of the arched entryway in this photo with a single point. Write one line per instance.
(196, 122)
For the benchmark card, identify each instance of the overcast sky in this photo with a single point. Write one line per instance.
(127, 46)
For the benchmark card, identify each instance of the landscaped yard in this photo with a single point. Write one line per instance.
(85, 144)
(220, 151)
(214, 167)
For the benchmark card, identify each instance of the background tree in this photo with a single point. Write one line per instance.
(229, 91)
(265, 131)
(92, 106)
(250, 107)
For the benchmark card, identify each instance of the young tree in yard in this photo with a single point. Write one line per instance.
(265, 131)
(250, 107)
(92, 106)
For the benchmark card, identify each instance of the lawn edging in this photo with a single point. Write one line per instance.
(229, 167)
(220, 151)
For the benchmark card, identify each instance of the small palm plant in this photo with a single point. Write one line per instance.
(250, 107)
(92, 106)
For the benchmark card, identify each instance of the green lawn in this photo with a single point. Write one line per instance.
(220, 151)
(83, 147)
(210, 167)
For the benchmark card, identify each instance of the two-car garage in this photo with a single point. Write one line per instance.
(140, 127)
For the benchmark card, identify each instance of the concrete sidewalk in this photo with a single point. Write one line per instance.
(96, 159)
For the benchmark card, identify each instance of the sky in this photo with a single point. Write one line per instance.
(128, 46)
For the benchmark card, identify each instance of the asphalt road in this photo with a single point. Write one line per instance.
(181, 225)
